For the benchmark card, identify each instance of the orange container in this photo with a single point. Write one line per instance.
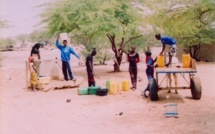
(125, 85)
(186, 60)
(160, 61)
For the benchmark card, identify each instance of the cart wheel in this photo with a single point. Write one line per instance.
(153, 88)
(196, 88)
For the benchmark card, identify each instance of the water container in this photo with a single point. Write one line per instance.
(160, 61)
(55, 72)
(113, 88)
(83, 91)
(63, 36)
(125, 85)
(186, 60)
(93, 90)
(108, 85)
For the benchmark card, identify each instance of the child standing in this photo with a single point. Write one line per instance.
(33, 74)
(149, 70)
(89, 67)
(133, 59)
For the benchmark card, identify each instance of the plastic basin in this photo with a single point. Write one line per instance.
(93, 90)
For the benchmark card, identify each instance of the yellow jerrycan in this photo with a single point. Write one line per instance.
(186, 60)
(125, 85)
(113, 88)
(160, 61)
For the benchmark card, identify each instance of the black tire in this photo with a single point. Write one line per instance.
(153, 89)
(196, 88)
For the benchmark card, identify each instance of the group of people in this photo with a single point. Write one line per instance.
(132, 57)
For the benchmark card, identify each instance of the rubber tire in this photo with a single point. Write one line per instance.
(153, 89)
(196, 88)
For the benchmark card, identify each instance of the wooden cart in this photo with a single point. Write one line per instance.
(193, 83)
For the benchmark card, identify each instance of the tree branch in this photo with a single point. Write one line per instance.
(109, 37)
(132, 39)
(186, 51)
(122, 42)
(112, 40)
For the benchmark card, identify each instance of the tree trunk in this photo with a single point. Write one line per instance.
(194, 52)
(117, 63)
(119, 51)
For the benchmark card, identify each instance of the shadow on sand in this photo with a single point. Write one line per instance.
(165, 97)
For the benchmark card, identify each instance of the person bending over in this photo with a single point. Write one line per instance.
(166, 40)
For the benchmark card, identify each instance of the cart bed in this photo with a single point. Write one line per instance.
(175, 70)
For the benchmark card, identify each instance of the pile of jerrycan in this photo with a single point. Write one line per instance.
(112, 88)
(186, 61)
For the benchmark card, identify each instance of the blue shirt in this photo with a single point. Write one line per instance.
(65, 52)
(149, 69)
(168, 40)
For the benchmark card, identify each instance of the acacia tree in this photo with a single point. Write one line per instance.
(188, 21)
(118, 20)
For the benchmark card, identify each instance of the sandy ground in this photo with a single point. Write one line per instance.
(26, 112)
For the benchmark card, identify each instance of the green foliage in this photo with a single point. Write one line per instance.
(139, 43)
(188, 21)
(102, 47)
(6, 42)
(92, 18)
(39, 36)
(94, 23)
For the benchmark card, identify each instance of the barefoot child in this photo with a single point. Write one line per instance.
(149, 69)
(33, 74)
(89, 67)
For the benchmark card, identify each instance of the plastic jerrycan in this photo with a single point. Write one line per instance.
(113, 88)
(160, 61)
(186, 60)
(63, 36)
(108, 85)
(125, 85)
(118, 86)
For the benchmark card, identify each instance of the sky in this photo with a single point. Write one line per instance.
(22, 16)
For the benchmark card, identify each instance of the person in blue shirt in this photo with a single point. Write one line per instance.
(149, 70)
(165, 40)
(65, 58)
